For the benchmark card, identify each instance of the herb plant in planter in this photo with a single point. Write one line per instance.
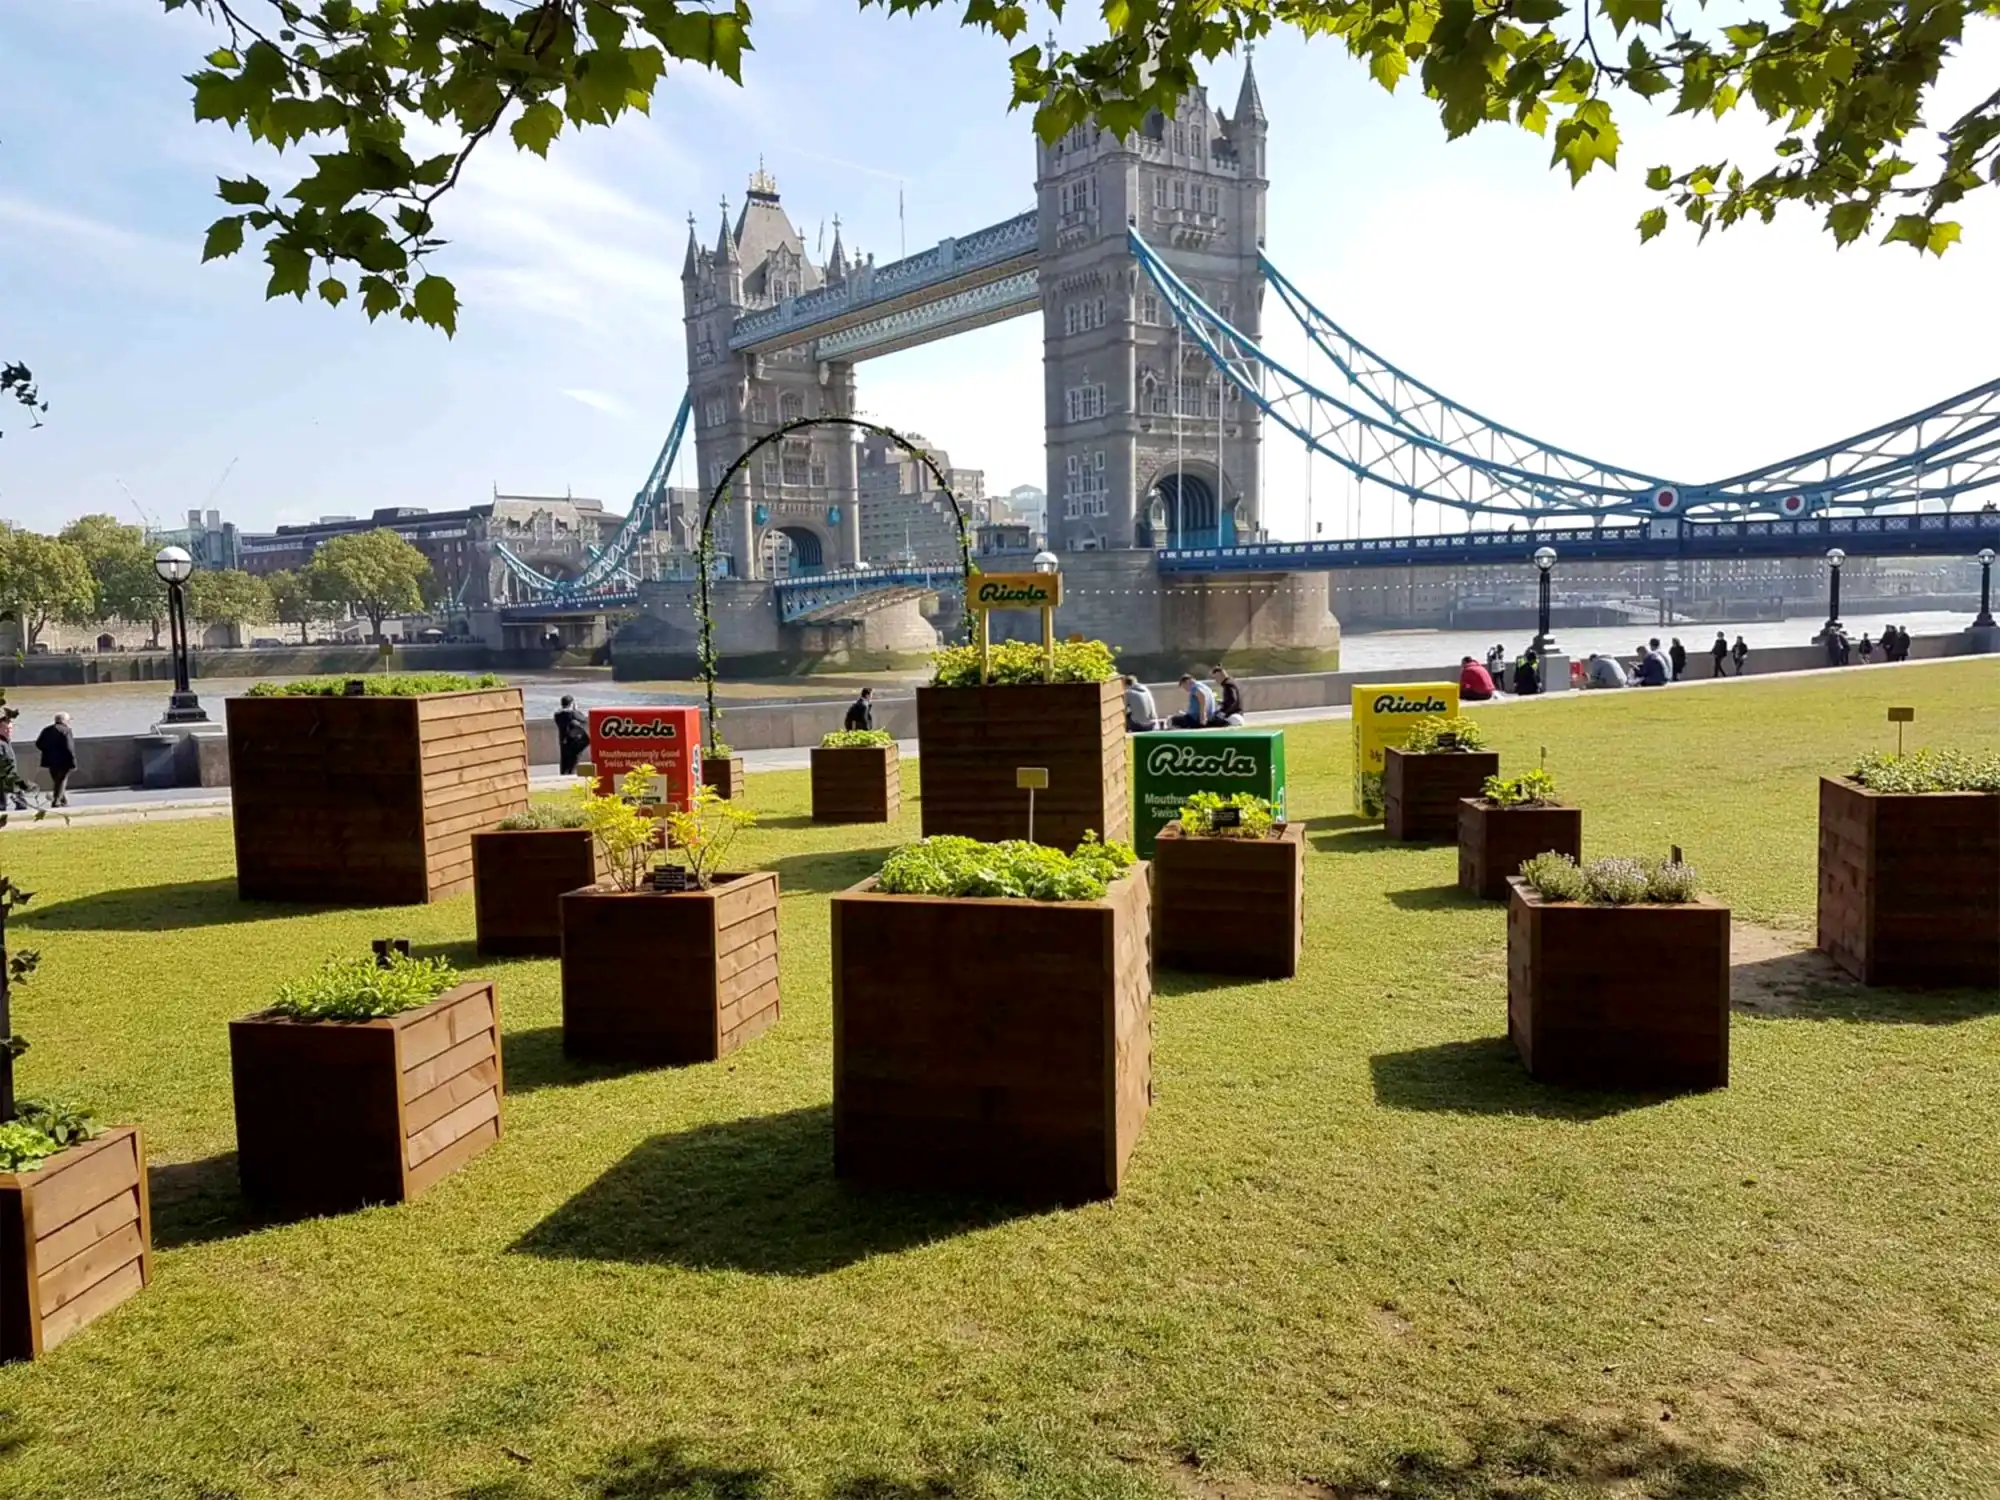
(992, 1027)
(371, 798)
(365, 1082)
(722, 769)
(856, 777)
(972, 739)
(674, 966)
(1617, 975)
(521, 869)
(1909, 869)
(1430, 773)
(1513, 819)
(76, 1235)
(1229, 888)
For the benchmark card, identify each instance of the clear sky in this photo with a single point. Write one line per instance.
(1469, 263)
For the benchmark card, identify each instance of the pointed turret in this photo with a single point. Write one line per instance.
(691, 266)
(836, 263)
(725, 241)
(1249, 103)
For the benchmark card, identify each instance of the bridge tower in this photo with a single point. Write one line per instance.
(802, 488)
(1147, 445)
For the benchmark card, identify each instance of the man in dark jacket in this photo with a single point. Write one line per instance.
(861, 712)
(58, 746)
(572, 734)
(1720, 651)
(1677, 655)
(1528, 675)
(18, 798)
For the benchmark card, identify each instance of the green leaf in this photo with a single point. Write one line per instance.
(225, 238)
(379, 296)
(1623, 13)
(1539, 12)
(246, 191)
(540, 123)
(333, 292)
(1659, 179)
(1387, 68)
(291, 269)
(1586, 138)
(222, 57)
(1849, 220)
(1653, 221)
(1942, 238)
(435, 300)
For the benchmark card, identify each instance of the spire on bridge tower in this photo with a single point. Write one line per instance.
(1249, 103)
(725, 242)
(836, 263)
(691, 266)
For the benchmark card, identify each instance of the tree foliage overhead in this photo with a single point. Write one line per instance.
(377, 572)
(17, 383)
(1845, 83)
(43, 580)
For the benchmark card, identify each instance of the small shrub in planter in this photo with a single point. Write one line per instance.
(973, 738)
(365, 1082)
(1426, 777)
(1229, 888)
(1909, 869)
(677, 967)
(1617, 975)
(992, 1019)
(856, 777)
(1513, 819)
(521, 869)
(722, 768)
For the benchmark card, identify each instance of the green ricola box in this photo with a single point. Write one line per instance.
(1171, 765)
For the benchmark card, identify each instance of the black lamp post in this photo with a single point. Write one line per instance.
(1985, 620)
(174, 567)
(1545, 561)
(1834, 558)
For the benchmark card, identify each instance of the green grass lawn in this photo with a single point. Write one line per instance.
(1359, 1253)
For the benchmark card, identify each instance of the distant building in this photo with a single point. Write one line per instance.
(905, 517)
(211, 541)
(1025, 503)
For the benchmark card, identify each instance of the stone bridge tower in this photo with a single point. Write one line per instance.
(793, 508)
(1147, 444)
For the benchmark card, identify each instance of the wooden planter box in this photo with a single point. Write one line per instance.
(1494, 842)
(518, 879)
(680, 978)
(856, 784)
(1618, 997)
(991, 1046)
(972, 740)
(725, 774)
(1909, 885)
(1421, 793)
(1229, 905)
(370, 801)
(332, 1115)
(76, 1239)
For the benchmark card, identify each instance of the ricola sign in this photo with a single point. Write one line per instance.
(667, 739)
(1172, 764)
(1384, 715)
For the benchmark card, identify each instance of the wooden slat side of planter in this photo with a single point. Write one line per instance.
(994, 1046)
(1421, 793)
(856, 784)
(1619, 997)
(681, 978)
(972, 740)
(1909, 885)
(370, 800)
(1229, 905)
(518, 878)
(76, 1239)
(332, 1115)
(726, 775)
(1494, 842)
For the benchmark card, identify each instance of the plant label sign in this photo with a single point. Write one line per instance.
(1384, 715)
(667, 739)
(1170, 765)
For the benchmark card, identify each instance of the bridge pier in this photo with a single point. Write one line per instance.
(882, 631)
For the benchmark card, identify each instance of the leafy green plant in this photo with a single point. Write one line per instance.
(1018, 662)
(569, 810)
(1529, 789)
(1255, 815)
(1929, 770)
(1437, 732)
(856, 739)
(23, 1148)
(1614, 881)
(704, 830)
(625, 836)
(363, 989)
(1555, 877)
(718, 750)
(1672, 882)
(383, 685)
(949, 865)
(1372, 802)
(63, 1121)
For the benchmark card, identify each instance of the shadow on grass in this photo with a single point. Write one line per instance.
(1631, 1454)
(200, 1202)
(792, 820)
(659, 1470)
(829, 870)
(1485, 1077)
(162, 908)
(1809, 986)
(1367, 838)
(758, 1195)
(534, 1060)
(1451, 897)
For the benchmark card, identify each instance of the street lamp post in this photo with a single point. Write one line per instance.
(174, 567)
(1834, 558)
(1545, 561)
(1985, 620)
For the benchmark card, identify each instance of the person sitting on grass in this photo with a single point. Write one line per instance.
(1200, 713)
(1603, 671)
(1475, 683)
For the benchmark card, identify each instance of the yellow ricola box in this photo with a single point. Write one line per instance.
(1383, 716)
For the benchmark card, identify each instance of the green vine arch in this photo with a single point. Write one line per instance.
(705, 546)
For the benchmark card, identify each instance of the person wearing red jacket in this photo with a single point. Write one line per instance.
(1475, 683)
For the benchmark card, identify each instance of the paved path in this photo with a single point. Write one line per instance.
(124, 805)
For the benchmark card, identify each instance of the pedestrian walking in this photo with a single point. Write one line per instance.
(10, 771)
(861, 712)
(1737, 652)
(1678, 655)
(1866, 648)
(1720, 651)
(57, 744)
(572, 734)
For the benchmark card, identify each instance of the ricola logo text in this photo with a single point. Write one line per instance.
(1191, 760)
(1001, 593)
(1396, 703)
(639, 729)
